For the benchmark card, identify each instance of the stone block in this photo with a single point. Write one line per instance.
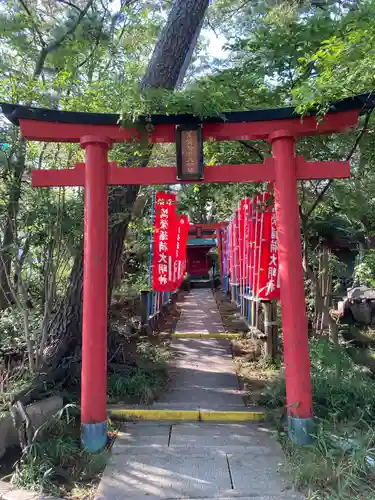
(359, 292)
(20, 495)
(8, 434)
(42, 411)
(141, 437)
(224, 436)
(5, 488)
(39, 413)
(361, 312)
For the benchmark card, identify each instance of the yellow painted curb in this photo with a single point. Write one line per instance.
(186, 415)
(142, 414)
(207, 335)
(231, 416)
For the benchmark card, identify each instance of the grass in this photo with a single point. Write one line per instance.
(56, 463)
(254, 371)
(342, 391)
(338, 465)
(140, 387)
(12, 382)
(145, 381)
(325, 471)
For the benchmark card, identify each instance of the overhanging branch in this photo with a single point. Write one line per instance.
(46, 49)
(252, 148)
(349, 156)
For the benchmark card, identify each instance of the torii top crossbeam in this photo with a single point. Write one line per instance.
(61, 126)
(67, 126)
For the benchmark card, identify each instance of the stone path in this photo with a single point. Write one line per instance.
(200, 460)
(202, 372)
(199, 313)
(194, 460)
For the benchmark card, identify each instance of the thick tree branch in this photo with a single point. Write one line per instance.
(35, 26)
(46, 49)
(253, 149)
(171, 55)
(70, 4)
(349, 156)
(96, 44)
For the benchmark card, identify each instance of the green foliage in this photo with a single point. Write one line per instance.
(338, 464)
(143, 383)
(341, 390)
(55, 460)
(364, 271)
(327, 471)
(139, 387)
(229, 90)
(343, 64)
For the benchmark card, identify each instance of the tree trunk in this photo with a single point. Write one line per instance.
(17, 165)
(163, 71)
(173, 48)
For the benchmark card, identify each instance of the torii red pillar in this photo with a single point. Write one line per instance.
(95, 272)
(292, 292)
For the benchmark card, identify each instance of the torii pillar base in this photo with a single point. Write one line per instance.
(292, 293)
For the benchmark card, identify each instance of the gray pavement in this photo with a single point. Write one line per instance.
(202, 371)
(199, 313)
(202, 459)
(195, 460)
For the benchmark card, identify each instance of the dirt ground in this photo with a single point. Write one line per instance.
(253, 370)
(167, 322)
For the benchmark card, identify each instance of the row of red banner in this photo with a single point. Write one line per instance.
(169, 246)
(250, 248)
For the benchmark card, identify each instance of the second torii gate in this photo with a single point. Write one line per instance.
(97, 132)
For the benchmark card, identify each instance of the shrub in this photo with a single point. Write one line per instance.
(55, 460)
(341, 390)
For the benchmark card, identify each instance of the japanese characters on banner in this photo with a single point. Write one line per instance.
(164, 242)
(253, 251)
(179, 265)
(169, 247)
(273, 284)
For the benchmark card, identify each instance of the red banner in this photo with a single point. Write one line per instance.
(244, 239)
(179, 265)
(164, 242)
(270, 284)
(264, 273)
(241, 241)
(231, 251)
(256, 229)
(236, 248)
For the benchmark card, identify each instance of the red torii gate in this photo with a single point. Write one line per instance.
(97, 132)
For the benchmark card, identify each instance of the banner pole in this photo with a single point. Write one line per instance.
(260, 258)
(150, 300)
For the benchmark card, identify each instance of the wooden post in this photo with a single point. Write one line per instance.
(253, 312)
(270, 328)
(144, 310)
